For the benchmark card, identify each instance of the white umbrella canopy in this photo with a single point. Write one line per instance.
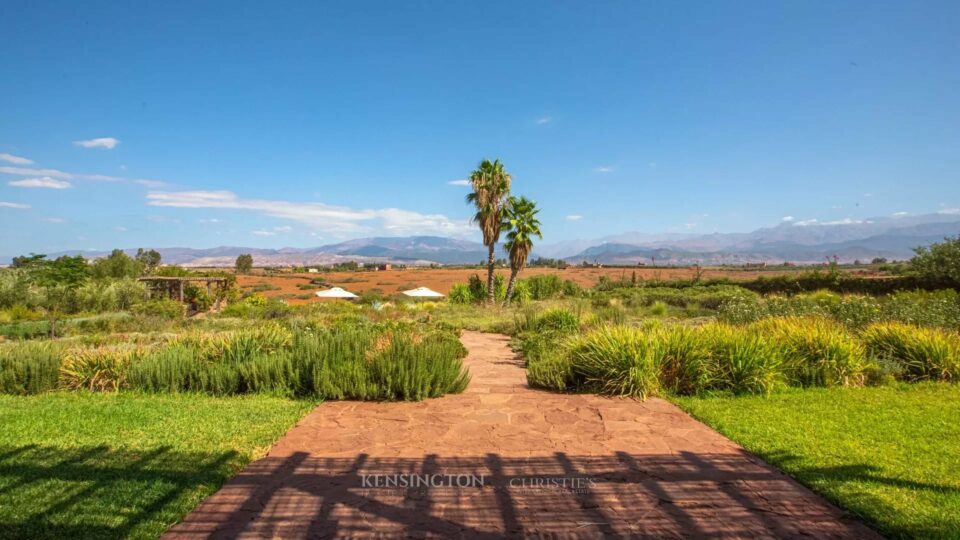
(423, 292)
(336, 292)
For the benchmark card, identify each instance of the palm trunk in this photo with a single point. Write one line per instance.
(490, 263)
(513, 281)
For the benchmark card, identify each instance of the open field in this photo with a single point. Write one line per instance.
(279, 285)
(881, 453)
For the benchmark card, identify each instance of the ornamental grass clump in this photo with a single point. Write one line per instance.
(743, 361)
(617, 360)
(816, 351)
(921, 353)
(98, 368)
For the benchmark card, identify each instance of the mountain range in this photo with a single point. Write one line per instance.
(803, 242)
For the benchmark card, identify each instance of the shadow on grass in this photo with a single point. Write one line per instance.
(861, 478)
(99, 492)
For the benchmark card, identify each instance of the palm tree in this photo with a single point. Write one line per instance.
(520, 218)
(491, 187)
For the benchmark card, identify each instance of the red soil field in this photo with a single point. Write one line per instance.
(285, 285)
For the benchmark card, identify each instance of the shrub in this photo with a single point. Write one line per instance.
(556, 319)
(15, 289)
(460, 294)
(521, 292)
(922, 353)
(388, 362)
(658, 309)
(549, 286)
(29, 368)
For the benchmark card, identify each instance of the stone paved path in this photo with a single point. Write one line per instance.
(550, 465)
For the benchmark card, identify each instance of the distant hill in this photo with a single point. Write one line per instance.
(804, 242)
(892, 238)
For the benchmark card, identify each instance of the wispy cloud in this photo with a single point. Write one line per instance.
(900, 214)
(284, 228)
(121, 229)
(18, 206)
(263, 233)
(45, 182)
(459, 182)
(209, 220)
(108, 143)
(16, 160)
(319, 215)
(54, 220)
(544, 120)
(604, 169)
(574, 217)
(949, 211)
(63, 175)
(53, 173)
(787, 219)
(844, 221)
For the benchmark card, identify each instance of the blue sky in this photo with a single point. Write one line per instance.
(126, 124)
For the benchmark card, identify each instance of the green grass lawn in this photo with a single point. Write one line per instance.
(124, 465)
(889, 454)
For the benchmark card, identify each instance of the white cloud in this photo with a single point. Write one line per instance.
(787, 219)
(4, 204)
(108, 143)
(16, 160)
(120, 229)
(263, 233)
(100, 178)
(284, 228)
(900, 214)
(459, 182)
(53, 173)
(544, 120)
(63, 175)
(44, 182)
(604, 169)
(54, 220)
(949, 211)
(210, 220)
(322, 216)
(574, 217)
(844, 221)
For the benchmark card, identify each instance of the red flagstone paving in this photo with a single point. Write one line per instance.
(541, 464)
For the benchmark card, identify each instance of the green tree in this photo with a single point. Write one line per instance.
(117, 265)
(150, 259)
(59, 280)
(491, 188)
(244, 263)
(520, 219)
(28, 261)
(938, 262)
